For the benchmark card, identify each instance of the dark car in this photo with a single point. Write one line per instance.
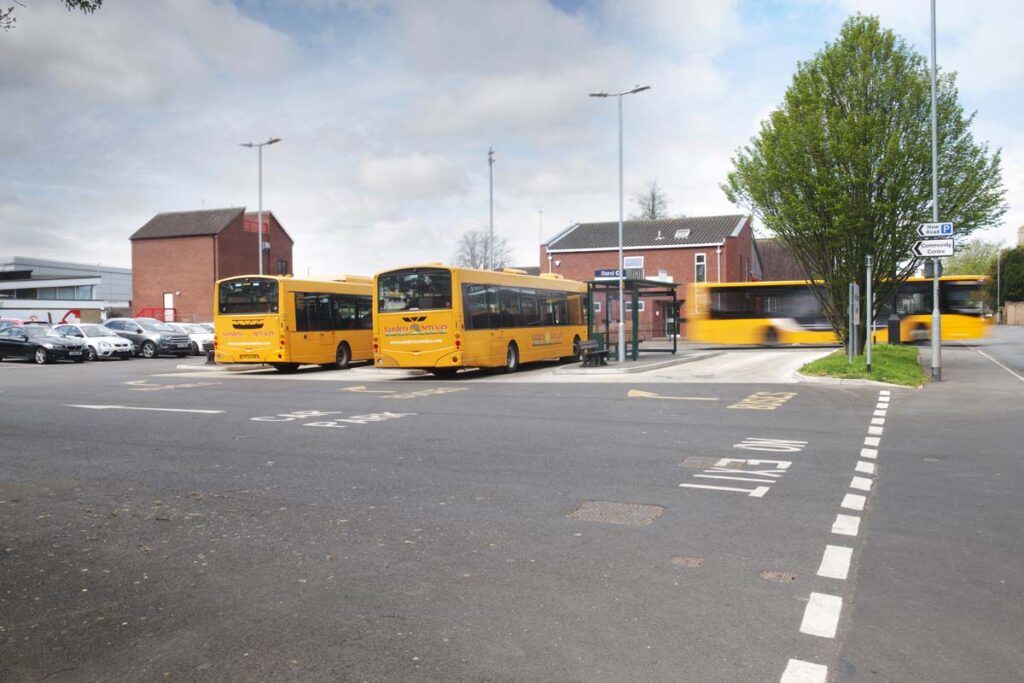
(39, 343)
(151, 336)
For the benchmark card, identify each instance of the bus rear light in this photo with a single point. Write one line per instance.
(376, 347)
(458, 343)
(376, 339)
(455, 359)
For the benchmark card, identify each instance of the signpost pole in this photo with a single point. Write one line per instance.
(936, 318)
(870, 318)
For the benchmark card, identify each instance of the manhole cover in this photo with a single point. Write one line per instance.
(698, 463)
(681, 561)
(777, 576)
(629, 514)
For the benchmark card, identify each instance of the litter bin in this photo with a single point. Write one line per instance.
(894, 329)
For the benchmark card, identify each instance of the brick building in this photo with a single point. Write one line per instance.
(176, 258)
(678, 250)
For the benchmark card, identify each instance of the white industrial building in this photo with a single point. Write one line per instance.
(56, 291)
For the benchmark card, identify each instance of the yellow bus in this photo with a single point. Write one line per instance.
(287, 322)
(787, 312)
(442, 318)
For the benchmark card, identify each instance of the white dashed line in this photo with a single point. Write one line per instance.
(821, 617)
(865, 467)
(872, 441)
(835, 563)
(880, 413)
(798, 671)
(877, 431)
(846, 525)
(869, 453)
(853, 501)
(861, 484)
(884, 392)
(878, 420)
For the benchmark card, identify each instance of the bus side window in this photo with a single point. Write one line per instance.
(529, 314)
(302, 312)
(324, 317)
(344, 312)
(364, 312)
(509, 304)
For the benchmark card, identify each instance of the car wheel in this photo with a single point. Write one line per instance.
(41, 356)
(771, 337)
(148, 350)
(512, 358)
(90, 354)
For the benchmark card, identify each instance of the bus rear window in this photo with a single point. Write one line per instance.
(418, 289)
(247, 296)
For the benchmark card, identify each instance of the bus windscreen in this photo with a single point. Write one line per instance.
(419, 289)
(247, 296)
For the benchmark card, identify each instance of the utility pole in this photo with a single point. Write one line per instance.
(540, 237)
(870, 319)
(490, 236)
(936, 316)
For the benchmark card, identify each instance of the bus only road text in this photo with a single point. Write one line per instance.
(332, 422)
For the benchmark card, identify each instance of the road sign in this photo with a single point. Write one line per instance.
(933, 248)
(935, 230)
(606, 274)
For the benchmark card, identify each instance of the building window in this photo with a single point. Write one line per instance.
(629, 306)
(700, 268)
(282, 267)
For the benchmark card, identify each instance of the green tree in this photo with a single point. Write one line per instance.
(842, 169)
(8, 20)
(976, 257)
(1011, 276)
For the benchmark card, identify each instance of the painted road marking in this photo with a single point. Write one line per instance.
(853, 501)
(877, 431)
(878, 420)
(872, 441)
(752, 443)
(156, 410)
(869, 453)
(145, 385)
(861, 483)
(884, 392)
(764, 400)
(334, 422)
(846, 525)
(729, 468)
(821, 617)
(636, 393)
(753, 493)
(798, 671)
(880, 413)
(865, 467)
(1009, 370)
(361, 389)
(436, 391)
(835, 563)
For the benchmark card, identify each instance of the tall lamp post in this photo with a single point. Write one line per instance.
(259, 216)
(622, 301)
(490, 234)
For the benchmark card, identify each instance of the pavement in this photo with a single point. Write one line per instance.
(716, 520)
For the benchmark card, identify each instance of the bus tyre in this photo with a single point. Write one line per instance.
(512, 358)
(920, 333)
(285, 367)
(342, 357)
(771, 337)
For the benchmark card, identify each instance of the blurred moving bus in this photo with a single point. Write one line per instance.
(287, 322)
(442, 318)
(788, 312)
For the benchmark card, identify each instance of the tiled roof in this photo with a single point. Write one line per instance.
(666, 232)
(187, 223)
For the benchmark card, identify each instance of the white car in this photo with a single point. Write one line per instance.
(99, 341)
(201, 338)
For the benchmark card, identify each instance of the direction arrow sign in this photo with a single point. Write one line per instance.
(935, 230)
(933, 248)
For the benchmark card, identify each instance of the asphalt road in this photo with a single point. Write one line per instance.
(327, 528)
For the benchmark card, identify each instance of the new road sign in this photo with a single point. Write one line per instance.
(933, 248)
(935, 230)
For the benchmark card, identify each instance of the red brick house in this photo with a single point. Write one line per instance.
(176, 258)
(678, 250)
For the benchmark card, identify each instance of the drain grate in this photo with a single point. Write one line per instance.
(628, 514)
(682, 561)
(777, 576)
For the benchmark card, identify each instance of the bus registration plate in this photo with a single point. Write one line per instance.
(249, 356)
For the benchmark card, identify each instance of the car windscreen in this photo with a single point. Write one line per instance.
(155, 326)
(415, 289)
(97, 332)
(247, 296)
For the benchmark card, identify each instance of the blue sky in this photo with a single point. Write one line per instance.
(386, 109)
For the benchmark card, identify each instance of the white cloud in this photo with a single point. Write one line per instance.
(416, 176)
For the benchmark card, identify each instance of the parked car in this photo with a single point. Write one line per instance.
(100, 342)
(151, 336)
(40, 343)
(9, 322)
(202, 339)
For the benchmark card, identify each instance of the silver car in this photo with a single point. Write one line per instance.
(151, 336)
(100, 342)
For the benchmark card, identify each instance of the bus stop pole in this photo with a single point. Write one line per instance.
(936, 318)
(870, 318)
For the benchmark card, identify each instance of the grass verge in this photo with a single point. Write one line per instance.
(892, 364)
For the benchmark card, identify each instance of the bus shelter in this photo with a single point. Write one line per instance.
(642, 322)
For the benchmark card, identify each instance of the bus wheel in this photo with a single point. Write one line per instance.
(771, 337)
(285, 367)
(342, 356)
(920, 333)
(512, 358)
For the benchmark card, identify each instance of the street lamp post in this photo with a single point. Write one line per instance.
(622, 301)
(259, 216)
(490, 234)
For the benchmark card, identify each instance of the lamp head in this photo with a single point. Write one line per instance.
(639, 88)
(272, 141)
(599, 94)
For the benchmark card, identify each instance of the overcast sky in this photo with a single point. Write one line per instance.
(386, 109)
